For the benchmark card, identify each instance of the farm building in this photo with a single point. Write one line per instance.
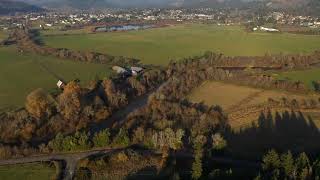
(119, 70)
(269, 29)
(136, 70)
(133, 71)
(60, 84)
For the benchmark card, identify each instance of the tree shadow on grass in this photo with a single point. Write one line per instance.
(280, 131)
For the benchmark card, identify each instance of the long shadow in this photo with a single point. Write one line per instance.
(280, 131)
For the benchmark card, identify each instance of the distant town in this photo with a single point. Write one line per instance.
(220, 17)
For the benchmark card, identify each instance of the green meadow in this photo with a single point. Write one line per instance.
(305, 76)
(22, 73)
(35, 171)
(159, 45)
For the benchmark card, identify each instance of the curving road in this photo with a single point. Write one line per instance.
(71, 159)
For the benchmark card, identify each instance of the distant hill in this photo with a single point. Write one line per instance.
(11, 7)
(301, 5)
(73, 4)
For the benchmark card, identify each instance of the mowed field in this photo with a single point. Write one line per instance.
(159, 45)
(22, 73)
(230, 97)
(35, 171)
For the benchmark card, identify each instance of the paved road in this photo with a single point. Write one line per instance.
(71, 159)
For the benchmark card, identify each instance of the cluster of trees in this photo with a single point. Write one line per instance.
(286, 166)
(146, 164)
(203, 149)
(81, 140)
(168, 138)
(29, 40)
(192, 72)
(78, 141)
(295, 103)
(278, 61)
(127, 164)
(155, 119)
(74, 108)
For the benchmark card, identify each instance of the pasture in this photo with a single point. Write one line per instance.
(306, 76)
(35, 171)
(22, 73)
(160, 45)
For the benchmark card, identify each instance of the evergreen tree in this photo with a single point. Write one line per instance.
(287, 163)
(102, 138)
(198, 143)
(122, 138)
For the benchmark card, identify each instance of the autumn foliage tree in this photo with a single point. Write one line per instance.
(38, 103)
(69, 100)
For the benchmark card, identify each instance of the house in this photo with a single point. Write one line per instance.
(60, 84)
(136, 70)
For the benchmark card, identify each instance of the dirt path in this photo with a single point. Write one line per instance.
(244, 101)
(119, 117)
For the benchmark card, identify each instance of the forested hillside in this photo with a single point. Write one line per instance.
(11, 7)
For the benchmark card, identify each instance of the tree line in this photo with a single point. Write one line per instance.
(29, 40)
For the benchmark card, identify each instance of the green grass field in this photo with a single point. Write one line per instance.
(27, 172)
(158, 46)
(22, 73)
(305, 76)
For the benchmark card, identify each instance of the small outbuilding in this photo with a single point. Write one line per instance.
(136, 70)
(60, 84)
